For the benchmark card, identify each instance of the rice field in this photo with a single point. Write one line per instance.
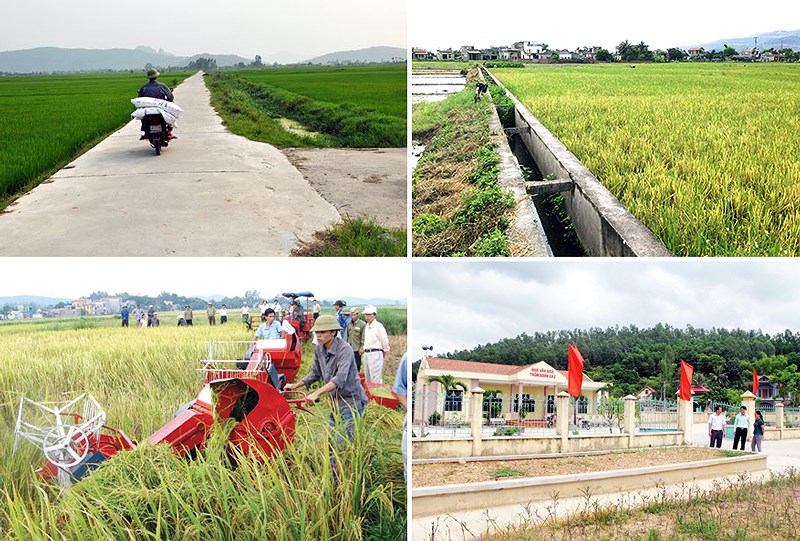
(705, 155)
(49, 120)
(141, 377)
(378, 87)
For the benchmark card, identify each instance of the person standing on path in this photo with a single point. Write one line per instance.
(223, 315)
(716, 427)
(211, 312)
(187, 315)
(124, 315)
(354, 335)
(376, 346)
(741, 424)
(758, 433)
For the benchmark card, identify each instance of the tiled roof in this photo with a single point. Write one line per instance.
(437, 363)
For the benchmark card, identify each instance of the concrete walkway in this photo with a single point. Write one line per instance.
(453, 524)
(211, 193)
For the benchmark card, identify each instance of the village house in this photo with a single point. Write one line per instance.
(695, 52)
(532, 388)
(446, 54)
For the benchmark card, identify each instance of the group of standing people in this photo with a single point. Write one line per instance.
(140, 317)
(367, 337)
(741, 425)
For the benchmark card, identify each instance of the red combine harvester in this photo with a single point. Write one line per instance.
(305, 319)
(241, 380)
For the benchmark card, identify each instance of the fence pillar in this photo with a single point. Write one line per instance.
(476, 397)
(629, 419)
(686, 419)
(779, 423)
(749, 401)
(562, 420)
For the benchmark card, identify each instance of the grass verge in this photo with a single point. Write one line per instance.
(254, 110)
(361, 236)
(459, 209)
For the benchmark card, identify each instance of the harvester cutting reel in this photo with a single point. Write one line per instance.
(63, 436)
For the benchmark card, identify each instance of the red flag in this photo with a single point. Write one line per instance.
(755, 382)
(686, 381)
(574, 371)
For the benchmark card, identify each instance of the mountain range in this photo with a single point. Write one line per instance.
(16, 300)
(58, 60)
(789, 38)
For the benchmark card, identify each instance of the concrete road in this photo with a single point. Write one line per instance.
(211, 193)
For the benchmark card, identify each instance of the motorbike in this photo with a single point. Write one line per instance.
(157, 131)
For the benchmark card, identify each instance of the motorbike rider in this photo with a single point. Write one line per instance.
(155, 89)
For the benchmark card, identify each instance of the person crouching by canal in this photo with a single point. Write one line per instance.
(334, 364)
(741, 424)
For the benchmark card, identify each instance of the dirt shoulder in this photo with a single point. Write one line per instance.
(368, 181)
(451, 473)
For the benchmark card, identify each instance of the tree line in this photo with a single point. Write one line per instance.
(630, 358)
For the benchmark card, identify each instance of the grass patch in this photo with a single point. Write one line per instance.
(459, 209)
(254, 110)
(355, 237)
(506, 472)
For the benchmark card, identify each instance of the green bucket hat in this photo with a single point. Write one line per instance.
(326, 323)
(152, 73)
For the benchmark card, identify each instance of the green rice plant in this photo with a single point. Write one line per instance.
(703, 154)
(48, 121)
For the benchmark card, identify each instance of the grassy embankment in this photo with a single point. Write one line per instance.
(740, 510)
(705, 155)
(353, 107)
(50, 120)
(459, 209)
(141, 377)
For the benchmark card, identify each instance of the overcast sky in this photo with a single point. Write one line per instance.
(187, 27)
(453, 23)
(325, 277)
(458, 305)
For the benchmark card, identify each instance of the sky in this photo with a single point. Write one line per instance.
(459, 305)
(327, 278)
(450, 23)
(187, 27)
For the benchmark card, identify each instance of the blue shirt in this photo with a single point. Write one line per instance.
(124, 313)
(269, 333)
(400, 386)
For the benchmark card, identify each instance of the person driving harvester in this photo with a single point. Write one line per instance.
(155, 89)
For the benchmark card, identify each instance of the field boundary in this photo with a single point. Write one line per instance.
(428, 502)
(603, 225)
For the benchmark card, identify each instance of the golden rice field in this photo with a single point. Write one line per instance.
(705, 155)
(141, 377)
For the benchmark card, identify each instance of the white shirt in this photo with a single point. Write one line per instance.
(245, 310)
(375, 336)
(717, 422)
(223, 312)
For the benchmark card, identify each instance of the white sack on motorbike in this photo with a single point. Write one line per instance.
(168, 106)
(142, 111)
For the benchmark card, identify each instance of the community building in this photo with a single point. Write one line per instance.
(532, 389)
